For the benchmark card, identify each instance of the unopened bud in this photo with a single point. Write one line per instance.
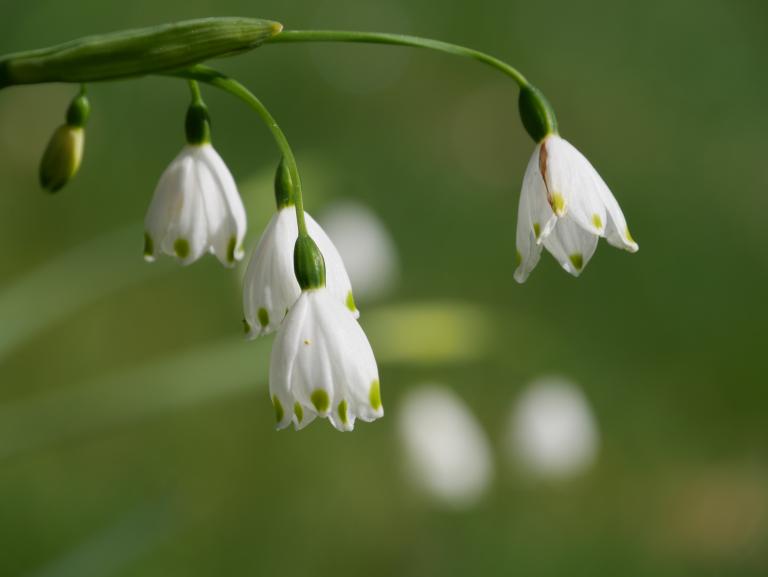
(62, 157)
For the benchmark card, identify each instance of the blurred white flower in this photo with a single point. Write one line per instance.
(196, 208)
(447, 452)
(366, 247)
(270, 287)
(322, 365)
(551, 431)
(565, 206)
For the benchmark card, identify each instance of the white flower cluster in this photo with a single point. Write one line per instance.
(322, 364)
(296, 283)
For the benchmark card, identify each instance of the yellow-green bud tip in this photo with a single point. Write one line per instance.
(62, 158)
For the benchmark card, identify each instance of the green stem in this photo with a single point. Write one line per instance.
(219, 80)
(194, 90)
(399, 40)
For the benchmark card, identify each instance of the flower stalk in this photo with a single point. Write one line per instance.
(292, 36)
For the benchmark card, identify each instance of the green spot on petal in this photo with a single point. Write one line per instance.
(246, 326)
(536, 230)
(279, 413)
(518, 258)
(320, 400)
(577, 260)
(351, 302)
(181, 247)
(149, 245)
(374, 395)
(343, 411)
(558, 203)
(263, 317)
(231, 249)
(629, 236)
(597, 221)
(298, 411)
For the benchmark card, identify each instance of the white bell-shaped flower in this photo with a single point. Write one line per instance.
(566, 207)
(196, 208)
(322, 365)
(270, 287)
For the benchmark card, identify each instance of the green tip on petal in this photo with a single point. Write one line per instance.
(518, 258)
(231, 250)
(629, 236)
(577, 259)
(374, 395)
(351, 302)
(298, 411)
(536, 230)
(558, 203)
(246, 326)
(320, 400)
(263, 317)
(181, 248)
(597, 221)
(149, 246)
(279, 412)
(343, 411)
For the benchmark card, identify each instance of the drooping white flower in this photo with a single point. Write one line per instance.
(565, 206)
(447, 453)
(196, 208)
(270, 286)
(322, 365)
(551, 432)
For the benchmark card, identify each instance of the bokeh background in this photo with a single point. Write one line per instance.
(136, 433)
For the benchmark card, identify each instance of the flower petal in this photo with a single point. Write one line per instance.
(616, 230)
(224, 207)
(322, 364)
(571, 245)
(535, 219)
(337, 279)
(570, 176)
(270, 287)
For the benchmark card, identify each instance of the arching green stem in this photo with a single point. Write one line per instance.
(399, 40)
(194, 91)
(219, 80)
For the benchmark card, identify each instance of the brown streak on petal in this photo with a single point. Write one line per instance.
(543, 158)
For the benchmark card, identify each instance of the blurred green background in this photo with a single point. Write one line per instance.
(136, 433)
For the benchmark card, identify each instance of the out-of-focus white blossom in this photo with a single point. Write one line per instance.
(447, 452)
(551, 431)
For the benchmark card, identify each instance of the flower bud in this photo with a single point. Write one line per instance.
(536, 113)
(64, 153)
(137, 52)
(308, 263)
